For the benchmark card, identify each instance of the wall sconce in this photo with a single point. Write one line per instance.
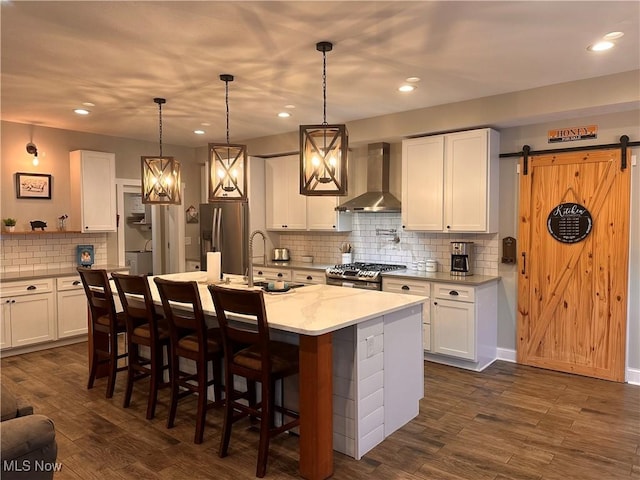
(227, 163)
(33, 150)
(323, 149)
(160, 174)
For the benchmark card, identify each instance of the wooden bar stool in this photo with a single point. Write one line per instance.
(191, 339)
(144, 327)
(104, 321)
(250, 353)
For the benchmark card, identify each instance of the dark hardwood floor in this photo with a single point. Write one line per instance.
(509, 422)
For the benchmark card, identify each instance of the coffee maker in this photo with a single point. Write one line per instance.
(462, 258)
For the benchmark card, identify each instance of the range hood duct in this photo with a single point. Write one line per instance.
(377, 198)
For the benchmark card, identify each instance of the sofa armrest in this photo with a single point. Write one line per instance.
(25, 441)
(13, 406)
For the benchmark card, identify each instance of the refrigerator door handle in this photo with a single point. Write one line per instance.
(217, 229)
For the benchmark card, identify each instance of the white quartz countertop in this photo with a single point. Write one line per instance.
(294, 265)
(313, 309)
(443, 277)
(54, 273)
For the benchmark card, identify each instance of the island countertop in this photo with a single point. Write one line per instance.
(312, 309)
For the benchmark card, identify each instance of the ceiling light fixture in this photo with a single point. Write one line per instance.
(227, 163)
(601, 46)
(613, 35)
(199, 132)
(160, 175)
(323, 148)
(33, 150)
(81, 111)
(406, 88)
(284, 114)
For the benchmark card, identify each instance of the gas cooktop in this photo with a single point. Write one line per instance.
(361, 270)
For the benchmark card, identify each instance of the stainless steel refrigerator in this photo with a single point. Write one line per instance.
(224, 228)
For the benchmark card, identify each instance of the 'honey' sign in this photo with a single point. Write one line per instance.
(571, 134)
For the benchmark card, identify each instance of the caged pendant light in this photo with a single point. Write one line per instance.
(227, 163)
(160, 175)
(323, 148)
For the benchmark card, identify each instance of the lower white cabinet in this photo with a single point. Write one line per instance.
(28, 313)
(414, 287)
(311, 277)
(464, 324)
(272, 274)
(72, 307)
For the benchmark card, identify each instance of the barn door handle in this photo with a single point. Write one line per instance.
(524, 263)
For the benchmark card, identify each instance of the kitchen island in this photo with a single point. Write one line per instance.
(361, 364)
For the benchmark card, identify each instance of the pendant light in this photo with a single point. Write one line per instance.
(227, 163)
(323, 148)
(160, 175)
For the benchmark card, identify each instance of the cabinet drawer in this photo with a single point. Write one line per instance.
(411, 287)
(309, 276)
(272, 273)
(69, 283)
(27, 287)
(449, 291)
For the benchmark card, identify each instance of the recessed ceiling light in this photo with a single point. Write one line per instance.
(205, 124)
(289, 106)
(199, 132)
(613, 35)
(81, 111)
(406, 88)
(88, 104)
(412, 79)
(284, 114)
(600, 46)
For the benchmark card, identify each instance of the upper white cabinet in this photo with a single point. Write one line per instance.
(450, 182)
(286, 209)
(93, 191)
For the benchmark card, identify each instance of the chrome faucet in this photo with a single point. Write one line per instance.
(264, 254)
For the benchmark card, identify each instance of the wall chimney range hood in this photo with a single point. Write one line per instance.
(377, 198)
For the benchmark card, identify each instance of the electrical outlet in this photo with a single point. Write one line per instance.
(187, 240)
(370, 345)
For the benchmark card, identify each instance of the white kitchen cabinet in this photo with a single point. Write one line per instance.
(28, 313)
(72, 312)
(93, 191)
(322, 215)
(450, 182)
(311, 277)
(272, 274)
(464, 324)
(286, 209)
(414, 287)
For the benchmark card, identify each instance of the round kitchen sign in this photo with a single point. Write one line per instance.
(569, 222)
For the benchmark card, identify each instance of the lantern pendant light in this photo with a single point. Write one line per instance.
(227, 163)
(160, 175)
(323, 149)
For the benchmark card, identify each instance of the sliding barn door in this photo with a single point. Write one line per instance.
(572, 286)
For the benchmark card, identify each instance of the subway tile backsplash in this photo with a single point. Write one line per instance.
(29, 252)
(372, 243)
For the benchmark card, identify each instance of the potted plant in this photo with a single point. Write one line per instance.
(9, 224)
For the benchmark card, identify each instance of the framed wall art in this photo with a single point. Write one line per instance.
(33, 185)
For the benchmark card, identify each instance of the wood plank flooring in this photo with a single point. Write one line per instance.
(509, 422)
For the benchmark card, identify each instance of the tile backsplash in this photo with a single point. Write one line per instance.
(372, 243)
(48, 251)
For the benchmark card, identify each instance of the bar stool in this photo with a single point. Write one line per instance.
(251, 354)
(144, 327)
(191, 339)
(105, 322)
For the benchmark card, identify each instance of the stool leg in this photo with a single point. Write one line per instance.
(132, 360)
(175, 373)
(265, 420)
(113, 364)
(154, 379)
(228, 416)
(202, 372)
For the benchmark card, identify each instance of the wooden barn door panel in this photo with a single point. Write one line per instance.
(572, 297)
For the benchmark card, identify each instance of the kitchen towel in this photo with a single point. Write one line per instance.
(213, 267)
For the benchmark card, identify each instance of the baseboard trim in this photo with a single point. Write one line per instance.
(506, 354)
(633, 376)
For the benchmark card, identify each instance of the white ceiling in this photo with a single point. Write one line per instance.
(119, 55)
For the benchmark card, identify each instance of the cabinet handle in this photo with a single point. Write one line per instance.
(403, 226)
(454, 293)
(279, 275)
(13, 301)
(259, 272)
(435, 303)
(524, 263)
(31, 287)
(309, 277)
(405, 287)
(77, 282)
(7, 300)
(448, 226)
